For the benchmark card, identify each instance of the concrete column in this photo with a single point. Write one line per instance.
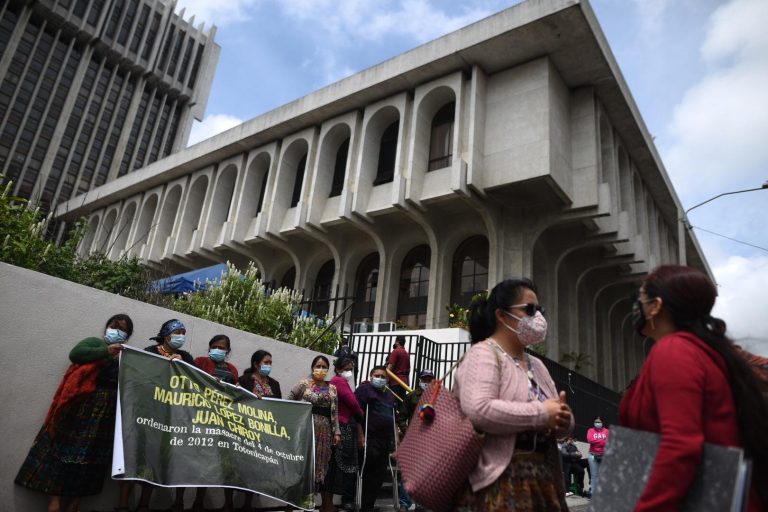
(130, 118)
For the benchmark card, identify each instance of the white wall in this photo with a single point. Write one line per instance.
(42, 318)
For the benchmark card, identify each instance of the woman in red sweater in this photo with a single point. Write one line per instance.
(693, 388)
(215, 364)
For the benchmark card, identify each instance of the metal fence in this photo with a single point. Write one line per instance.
(586, 397)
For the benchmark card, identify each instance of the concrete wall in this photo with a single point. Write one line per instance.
(42, 318)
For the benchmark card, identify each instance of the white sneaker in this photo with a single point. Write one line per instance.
(569, 493)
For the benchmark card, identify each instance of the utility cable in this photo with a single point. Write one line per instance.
(729, 238)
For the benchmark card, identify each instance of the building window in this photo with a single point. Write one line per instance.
(414, 288)
(337, 185)
(385, 171)
(441, 140)
(299, 181)
(469, 274)
(366, 284)
(262, 192)
(289, 278)
(322, 291)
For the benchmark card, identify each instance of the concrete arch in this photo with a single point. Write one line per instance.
(625, 182)
(255, 189)
(168, 214)
(223, 192)
(124, 228)
(287, 173)
(106, 229)
(326, 160)
(90, 235)
(190, 221)
(373, 129)
(143, 230)
(425, 111)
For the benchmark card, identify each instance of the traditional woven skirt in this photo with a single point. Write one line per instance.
(323, 446)
(529, 484)
(73, 459)
(343, 464)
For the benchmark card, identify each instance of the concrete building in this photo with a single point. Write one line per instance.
(91, 90)
(510, 147)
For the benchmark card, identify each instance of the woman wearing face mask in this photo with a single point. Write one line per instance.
(215, 364)
(257, 380)
(597, 436)
(73, 449)
(324, 399)
(342, 474)
(693, 388)
(509, 395)
(170, 339)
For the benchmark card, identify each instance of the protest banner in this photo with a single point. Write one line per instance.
(177, 426)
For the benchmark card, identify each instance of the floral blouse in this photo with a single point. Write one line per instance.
(319, 396)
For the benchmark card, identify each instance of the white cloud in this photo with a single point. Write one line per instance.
(213, 124)
(720, 126)
(219, 12)
(743, 300)
(346, 20)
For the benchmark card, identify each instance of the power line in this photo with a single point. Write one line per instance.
(729, 238)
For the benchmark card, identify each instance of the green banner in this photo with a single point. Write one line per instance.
(178, 426)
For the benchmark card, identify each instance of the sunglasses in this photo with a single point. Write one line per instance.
(530, 309)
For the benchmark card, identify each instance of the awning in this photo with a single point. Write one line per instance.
(190, 281)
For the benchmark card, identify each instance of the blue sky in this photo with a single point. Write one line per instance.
(698, 70)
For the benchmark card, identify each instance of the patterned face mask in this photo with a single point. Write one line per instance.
(531, 330)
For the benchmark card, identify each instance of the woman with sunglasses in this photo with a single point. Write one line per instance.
(694, 388)
(509, 395)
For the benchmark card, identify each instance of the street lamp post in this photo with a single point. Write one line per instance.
(687, 224)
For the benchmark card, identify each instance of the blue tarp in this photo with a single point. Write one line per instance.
(190, 281)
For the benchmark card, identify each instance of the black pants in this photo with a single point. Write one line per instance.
(374, 471)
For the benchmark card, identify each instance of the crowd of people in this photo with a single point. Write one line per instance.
(695, 386)
(72, 451)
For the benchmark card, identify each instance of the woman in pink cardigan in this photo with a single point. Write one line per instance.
(509, 395)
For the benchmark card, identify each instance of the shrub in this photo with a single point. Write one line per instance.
(241, 300)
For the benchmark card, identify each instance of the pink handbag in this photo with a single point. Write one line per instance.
(435, 458)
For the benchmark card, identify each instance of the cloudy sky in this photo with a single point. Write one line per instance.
(698, 69)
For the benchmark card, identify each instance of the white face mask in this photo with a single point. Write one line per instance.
(531, 330)
(423, 385)
(348, 375)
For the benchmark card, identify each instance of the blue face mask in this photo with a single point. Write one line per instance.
(114, 336)
(379, 382)
(177, 341)
(265, 369)
(598, 424)
(217, 354)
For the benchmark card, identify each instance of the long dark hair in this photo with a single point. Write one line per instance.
(689, 295)
(482, 315)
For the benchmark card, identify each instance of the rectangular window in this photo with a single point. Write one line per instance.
(150, 42)
(140, 26)
(125, 29)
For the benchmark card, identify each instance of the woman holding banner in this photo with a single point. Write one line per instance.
(168, 343)
(216, 365)
(73, 449)
(324, 399)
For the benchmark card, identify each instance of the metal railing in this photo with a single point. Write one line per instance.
(586, 397)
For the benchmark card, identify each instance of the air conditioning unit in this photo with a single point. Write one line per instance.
(384, 327)
(362, 327)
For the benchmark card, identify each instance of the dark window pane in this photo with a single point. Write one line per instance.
(385, 170)
(299, 181)
(339, 168)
